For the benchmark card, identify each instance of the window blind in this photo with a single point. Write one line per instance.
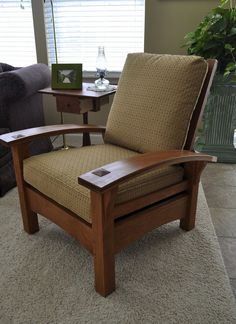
(83, 25)
(17, 45)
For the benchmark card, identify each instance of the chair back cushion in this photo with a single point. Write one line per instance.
(154, 102)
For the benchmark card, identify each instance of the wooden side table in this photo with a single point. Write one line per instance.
(79, 102)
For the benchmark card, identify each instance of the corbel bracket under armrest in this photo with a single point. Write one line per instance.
(115, 173)
(27, 135)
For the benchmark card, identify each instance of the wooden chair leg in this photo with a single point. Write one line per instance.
(30, 219)
(103, 235)
(188, 222)
(193, 172)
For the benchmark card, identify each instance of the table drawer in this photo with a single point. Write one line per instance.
(75, 105)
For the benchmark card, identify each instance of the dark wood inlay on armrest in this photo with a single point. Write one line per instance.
(100, 172)
(18, 136)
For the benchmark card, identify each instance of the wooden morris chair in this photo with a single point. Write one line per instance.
(144, 175)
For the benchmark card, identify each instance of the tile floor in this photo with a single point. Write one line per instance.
(219, 183)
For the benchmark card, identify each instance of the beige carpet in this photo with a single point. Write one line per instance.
(169, 276)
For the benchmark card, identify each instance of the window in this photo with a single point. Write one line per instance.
(83, 25)
(17, 45)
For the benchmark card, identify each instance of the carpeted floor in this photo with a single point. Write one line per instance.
(170, 276)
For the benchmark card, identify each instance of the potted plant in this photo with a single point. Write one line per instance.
(215, 37)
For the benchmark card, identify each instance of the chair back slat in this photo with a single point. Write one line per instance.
(202, 100)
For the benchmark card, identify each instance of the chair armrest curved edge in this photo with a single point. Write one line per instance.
(113, 174)
(27, 135)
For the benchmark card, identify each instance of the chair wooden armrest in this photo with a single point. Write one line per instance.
(27, 135)
(113, 174)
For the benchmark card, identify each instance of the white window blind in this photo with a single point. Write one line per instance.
(83, 25)
(17, 45)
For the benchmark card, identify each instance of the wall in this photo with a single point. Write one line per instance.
(167, 21)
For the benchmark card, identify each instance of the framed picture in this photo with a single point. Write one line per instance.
(67, 76)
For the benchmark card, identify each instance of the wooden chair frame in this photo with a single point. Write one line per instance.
(113, 226)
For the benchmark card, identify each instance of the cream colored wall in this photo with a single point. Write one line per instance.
(167, 21)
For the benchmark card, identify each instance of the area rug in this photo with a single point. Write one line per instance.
(169, 276)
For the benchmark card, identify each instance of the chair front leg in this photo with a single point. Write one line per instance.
(29, 218)
(103, 241)
(193, 172)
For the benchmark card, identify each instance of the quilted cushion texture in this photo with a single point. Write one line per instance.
(55, 174)
(154, 102)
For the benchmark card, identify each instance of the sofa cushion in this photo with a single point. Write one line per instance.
(4, 149)
(55, 174)
(21, 107)
(7, 175)
(24, 82)
(12, 87)
(7, 67)
(154, 101)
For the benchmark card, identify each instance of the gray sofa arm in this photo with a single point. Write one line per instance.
(4, 67)
(23, 82)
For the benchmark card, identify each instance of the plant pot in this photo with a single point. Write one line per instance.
(219, 121)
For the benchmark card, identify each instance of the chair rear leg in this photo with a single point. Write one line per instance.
(103, 235)
(193, 172)
(29, 218)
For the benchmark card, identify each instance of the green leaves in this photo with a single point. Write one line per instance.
(230, 68)
(215, 37)
(233, 31)
(229, 47)
(223, 2)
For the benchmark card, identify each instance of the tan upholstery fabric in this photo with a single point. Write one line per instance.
(154, 102)
(55, 175)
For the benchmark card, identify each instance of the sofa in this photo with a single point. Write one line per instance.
(21, 107)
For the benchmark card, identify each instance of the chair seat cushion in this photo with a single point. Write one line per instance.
(55, 174)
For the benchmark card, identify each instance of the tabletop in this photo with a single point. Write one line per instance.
(79, 93)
